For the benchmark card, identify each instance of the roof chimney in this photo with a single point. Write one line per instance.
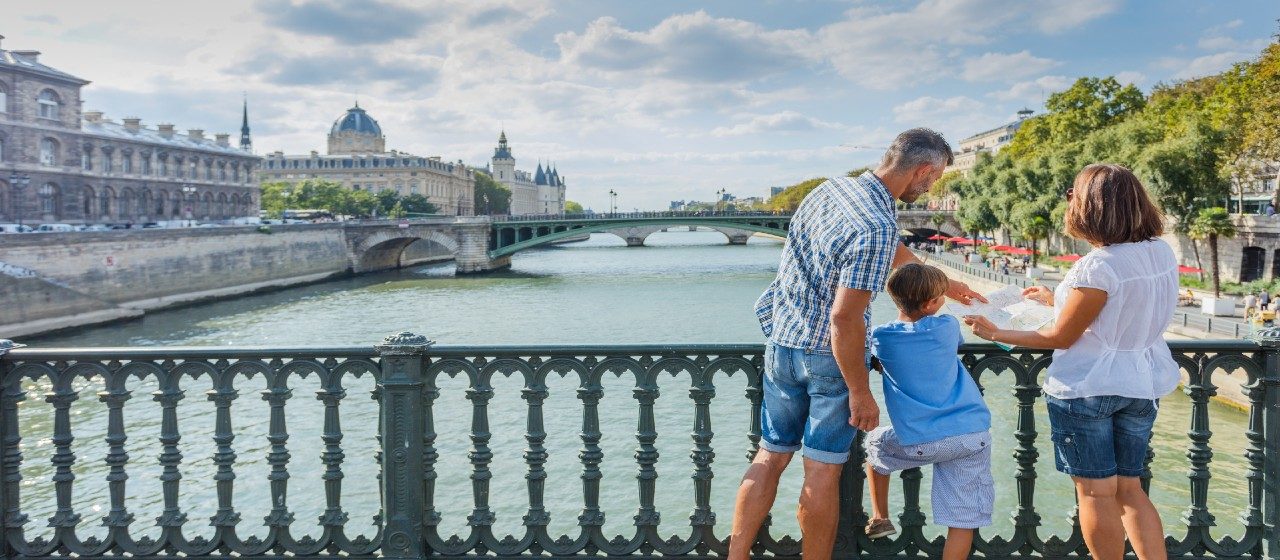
(166, 130)
(195, 134)
(132, 124)
(1, 38)
(93, 116)
(34, 56)
(223, 139)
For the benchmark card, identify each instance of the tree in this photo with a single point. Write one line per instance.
(976, 216)
(418, 204)
(1035, 228)
(387, 200)
(491, 196)
(571, 207)
(1088, 105)
(1184, 176)
(791, 197)
(1211, 224)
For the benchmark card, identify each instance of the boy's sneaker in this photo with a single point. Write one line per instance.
(880, 528)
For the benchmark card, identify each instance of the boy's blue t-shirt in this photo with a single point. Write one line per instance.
(927, 390)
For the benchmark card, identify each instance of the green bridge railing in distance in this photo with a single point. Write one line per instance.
(409, 372)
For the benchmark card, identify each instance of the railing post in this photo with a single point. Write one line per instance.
(401, 386)
(11, 439)
(1270, 381)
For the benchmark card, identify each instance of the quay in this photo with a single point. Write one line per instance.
(410, 371)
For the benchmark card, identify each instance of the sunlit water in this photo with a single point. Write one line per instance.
(683, 288)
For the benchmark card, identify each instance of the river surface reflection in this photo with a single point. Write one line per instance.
(683, 288)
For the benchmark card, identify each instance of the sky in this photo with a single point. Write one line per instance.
(657, 100)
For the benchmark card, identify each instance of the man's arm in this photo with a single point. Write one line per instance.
(848, 344)
(956, 289)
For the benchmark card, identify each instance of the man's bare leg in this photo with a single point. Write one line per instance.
(878, 487)
(819, 509)
(755, 498)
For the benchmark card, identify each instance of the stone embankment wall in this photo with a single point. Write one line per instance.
(52, 281)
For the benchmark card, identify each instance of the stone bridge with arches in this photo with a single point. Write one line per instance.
(481, 244)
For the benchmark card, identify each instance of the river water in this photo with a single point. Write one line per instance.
(685, 287)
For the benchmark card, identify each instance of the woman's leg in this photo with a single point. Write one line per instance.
(1141, 520)
(1100, 518)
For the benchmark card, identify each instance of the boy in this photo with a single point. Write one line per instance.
(937, 413)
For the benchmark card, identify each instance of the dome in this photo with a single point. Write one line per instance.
(356, 120)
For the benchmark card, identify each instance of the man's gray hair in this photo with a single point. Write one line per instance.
(918, 146)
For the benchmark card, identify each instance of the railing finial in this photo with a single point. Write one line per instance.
(1268, 337)
(6, 345)
(404, 343)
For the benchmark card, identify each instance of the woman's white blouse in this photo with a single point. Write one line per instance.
(1123, 352)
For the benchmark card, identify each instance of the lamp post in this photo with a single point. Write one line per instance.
(613, 202)
(19, 183)
(190, 193)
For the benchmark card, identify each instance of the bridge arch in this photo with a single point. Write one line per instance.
(384, 250)
(510, 238)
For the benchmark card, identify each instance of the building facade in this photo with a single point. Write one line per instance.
(986, 142)
(358, 159)
(541, 192)
(58, 165)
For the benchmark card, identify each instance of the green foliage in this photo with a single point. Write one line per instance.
(1089, 104)
(491, 197)
(791, 197)
(1211, 224)
(318, 194)
(418, 204)
(571, 207)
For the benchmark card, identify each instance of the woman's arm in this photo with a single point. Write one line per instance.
(1082, 306)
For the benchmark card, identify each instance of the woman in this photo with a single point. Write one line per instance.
(1110, 364)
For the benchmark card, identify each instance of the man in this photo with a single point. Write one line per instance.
(842, 242)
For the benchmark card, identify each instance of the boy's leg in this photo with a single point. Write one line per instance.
(878, 485)
(959, 541)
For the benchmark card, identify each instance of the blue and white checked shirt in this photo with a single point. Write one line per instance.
(845, 233)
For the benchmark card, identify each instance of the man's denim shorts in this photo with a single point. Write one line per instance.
(806, 405)
(1101, 437)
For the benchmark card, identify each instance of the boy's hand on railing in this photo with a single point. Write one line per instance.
(864, 413)
(1039, 294)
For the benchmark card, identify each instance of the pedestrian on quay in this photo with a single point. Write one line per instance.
(842, 242)
(1264, 298)
(1111, 364)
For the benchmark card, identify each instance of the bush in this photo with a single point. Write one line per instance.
(264, 229)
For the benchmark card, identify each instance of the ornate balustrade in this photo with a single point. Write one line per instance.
(412, 378)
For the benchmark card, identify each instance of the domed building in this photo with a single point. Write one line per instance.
(355, 132)
(358, 159)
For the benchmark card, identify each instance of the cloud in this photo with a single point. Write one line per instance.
(1032, 92)
(352, 22)
(1204, 65)
(690, 47)
(783, 122)
(1005, 67)
(1127, 77)
(350, 69)
(43, 18)
(927, 108)
(881, 49)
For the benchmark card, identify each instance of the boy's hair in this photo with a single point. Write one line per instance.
(913, 285)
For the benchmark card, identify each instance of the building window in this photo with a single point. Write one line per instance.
(49, 152)
(104, 203)
(146, 163)
(86, 158)
(49, 104)
(195, 169)
(126, 162)
(106, 162)
(222, 173)
(1, 149)
(49, 199)
(235, 173)
(164, 166)
(178, 169)
(208, 170)
(4, 100)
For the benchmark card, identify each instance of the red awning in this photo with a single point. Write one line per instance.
(1068, 258)
(1183, 269)
(938, 237)
(961, 240)
(1002, 247)
(1019, 251)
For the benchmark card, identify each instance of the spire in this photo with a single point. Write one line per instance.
(502, 150)
(539, 177)
(246, 143)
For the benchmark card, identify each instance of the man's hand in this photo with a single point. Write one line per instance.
(864, 414)
(961, 292)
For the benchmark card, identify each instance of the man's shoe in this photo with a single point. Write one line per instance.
(880, 528)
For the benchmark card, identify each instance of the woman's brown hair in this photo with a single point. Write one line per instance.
(1109, 205)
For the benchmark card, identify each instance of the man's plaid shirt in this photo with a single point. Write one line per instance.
(845, 233)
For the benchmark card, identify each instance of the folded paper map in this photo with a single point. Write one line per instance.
(1007, 309)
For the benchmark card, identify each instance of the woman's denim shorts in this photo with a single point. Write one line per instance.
(1101, 437)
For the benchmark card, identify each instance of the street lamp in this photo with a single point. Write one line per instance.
(190, 193)
(18, 183)
(613, 201)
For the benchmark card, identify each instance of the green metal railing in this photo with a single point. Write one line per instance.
(409, 370)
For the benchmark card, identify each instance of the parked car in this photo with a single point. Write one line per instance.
(95, 227)
(55, 228)
(15, 228)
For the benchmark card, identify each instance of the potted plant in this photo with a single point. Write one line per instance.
(1211, 224)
